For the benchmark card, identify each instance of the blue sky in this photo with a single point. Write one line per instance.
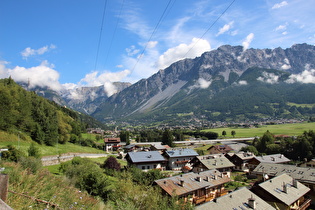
(54, 43)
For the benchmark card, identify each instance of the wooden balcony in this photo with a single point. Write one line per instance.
(202, 199)
(305, 204)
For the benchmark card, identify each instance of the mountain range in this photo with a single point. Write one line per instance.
(225, 84)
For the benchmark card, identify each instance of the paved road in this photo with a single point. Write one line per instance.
(70, 156)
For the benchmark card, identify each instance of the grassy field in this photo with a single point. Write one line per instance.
(293, 129)
(22, 142)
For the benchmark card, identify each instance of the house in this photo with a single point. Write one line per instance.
(219, 149)
(308, 164)
(195, 187)
(158, 147)
(179, 158)
(146, 160)
(304, 175)
(208, 162)
(112, 144)
(283, 192)
(131, 148)
(241, 199)
(240, 160)
(275, 158)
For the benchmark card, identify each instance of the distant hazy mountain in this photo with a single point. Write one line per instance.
(223, 84)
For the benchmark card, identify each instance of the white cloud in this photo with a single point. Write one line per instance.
(27, 52)
(247, 41)
(285, 66)
(132, 51)
(194, 49)
(202, 83)
(307, 76)
(225, 28)
(242, 82)
(152, 44)
(105, 78)
(281, 27)
(279, 5)
(268, 78)
(43, 75)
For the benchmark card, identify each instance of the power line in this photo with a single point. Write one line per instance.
(155, 29)
(100, 36)
(111, 42)
(210, 27)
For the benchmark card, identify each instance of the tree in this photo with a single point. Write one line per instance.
(167, 138)
(33, 151)
(112, 163)
(124, 137)
(223, 133)
(233, 133)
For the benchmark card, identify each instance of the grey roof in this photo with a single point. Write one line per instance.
(215, 162)
(181, 153)
(236, 200)
(192, 182)
(151, 156)
(275, 158)
(276, 185)
(305, 175)
(129, 146)
(158, 146)
(245, 155)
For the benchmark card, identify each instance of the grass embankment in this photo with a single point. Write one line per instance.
(23, 142)
(293, 129)
(24, 189)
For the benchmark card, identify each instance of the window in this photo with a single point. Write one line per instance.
(143, 167)
(154, 166)
(148, 167)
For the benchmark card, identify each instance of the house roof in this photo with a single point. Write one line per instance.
(237, 199)
(151, 156)
(130, 146)
(215, 162)
(276, 187)
(181, 153)
(192, 182)
(244, 155)
(275, 158)
(222, 148)
(112, 140)
(306, 175)
(158, 146)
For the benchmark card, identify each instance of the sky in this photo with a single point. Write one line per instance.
(64, 44)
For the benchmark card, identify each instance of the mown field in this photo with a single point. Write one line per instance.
(293, 129)
(22, 142)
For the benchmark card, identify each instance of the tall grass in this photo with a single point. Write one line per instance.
(44, 186)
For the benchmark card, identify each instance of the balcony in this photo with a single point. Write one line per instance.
(305, 204)
(202, 199)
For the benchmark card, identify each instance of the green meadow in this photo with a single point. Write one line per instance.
(293, 129)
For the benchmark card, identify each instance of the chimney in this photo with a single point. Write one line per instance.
(252, 202)
(182, 183)
(285, 189)
(215, 162)
(199, 179)
(294, 183)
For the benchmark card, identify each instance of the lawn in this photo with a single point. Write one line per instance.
(293, 129)
(22, 142)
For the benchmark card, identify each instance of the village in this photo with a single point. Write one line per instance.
(225, 178)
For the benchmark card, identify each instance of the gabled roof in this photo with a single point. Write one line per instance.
(181, 153)
(299, 173)
(244, 155)
(213, 162)
(282, 188)
(275, 158)
(151, 156)
(222, 148)
(190, 182)
(112, 140)
(236, 200)
(130, 146)
(158, 146)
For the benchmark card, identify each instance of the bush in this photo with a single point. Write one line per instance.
(31, 163)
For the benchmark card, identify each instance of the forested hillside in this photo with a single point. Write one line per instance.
(43, 120)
